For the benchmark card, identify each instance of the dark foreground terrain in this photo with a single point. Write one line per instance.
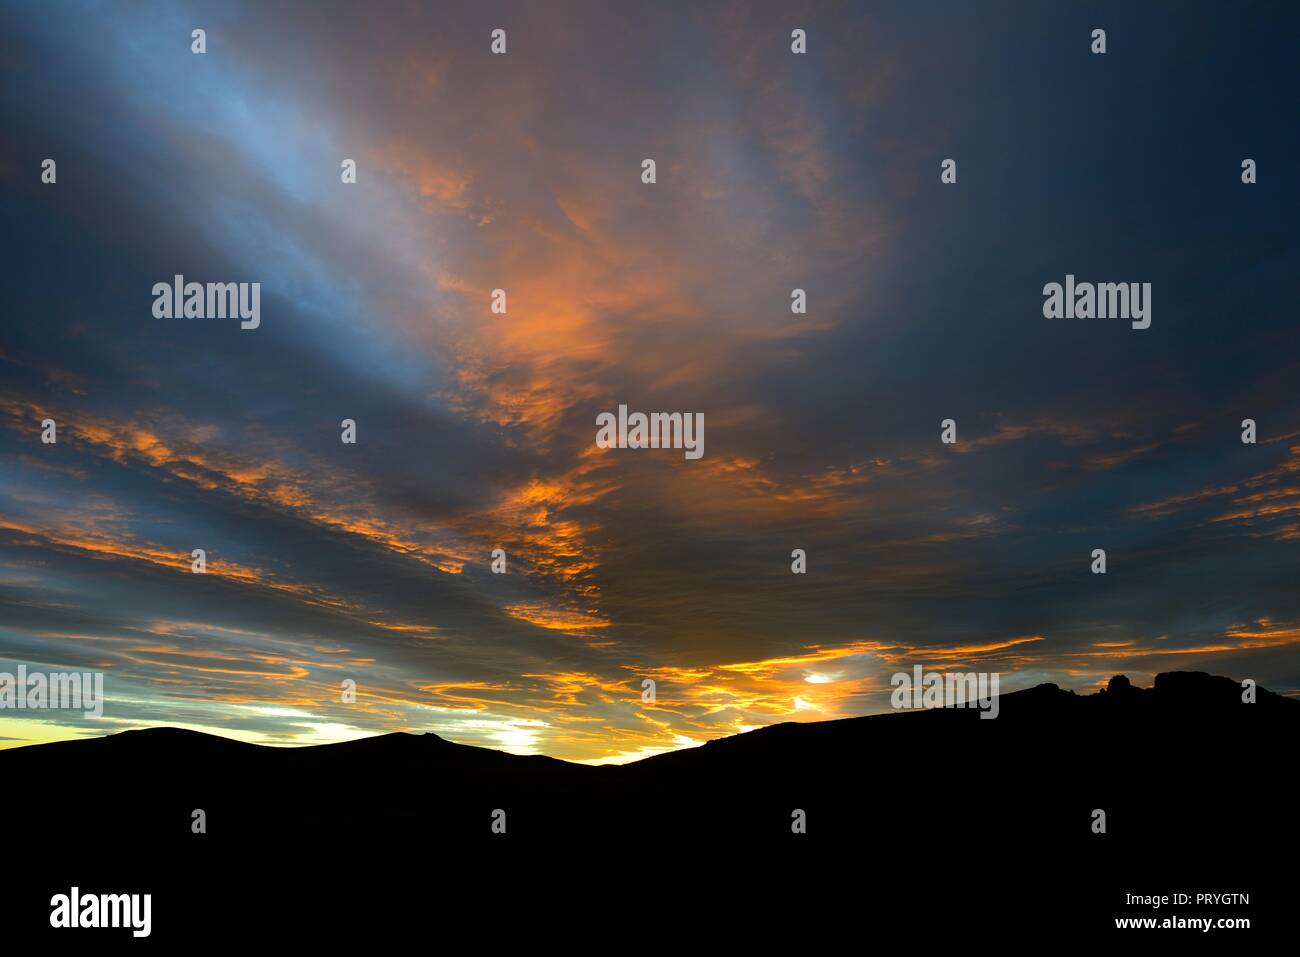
(935, 827)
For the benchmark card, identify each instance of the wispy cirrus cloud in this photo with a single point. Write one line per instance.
(372, 562)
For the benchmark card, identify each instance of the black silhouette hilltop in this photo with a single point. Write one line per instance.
(941, 802)
(1049, 756)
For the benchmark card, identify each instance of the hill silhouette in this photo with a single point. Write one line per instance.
(988, 813)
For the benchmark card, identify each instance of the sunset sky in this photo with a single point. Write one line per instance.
(476, 431)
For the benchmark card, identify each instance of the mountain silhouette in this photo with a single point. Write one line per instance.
(1190, 778)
